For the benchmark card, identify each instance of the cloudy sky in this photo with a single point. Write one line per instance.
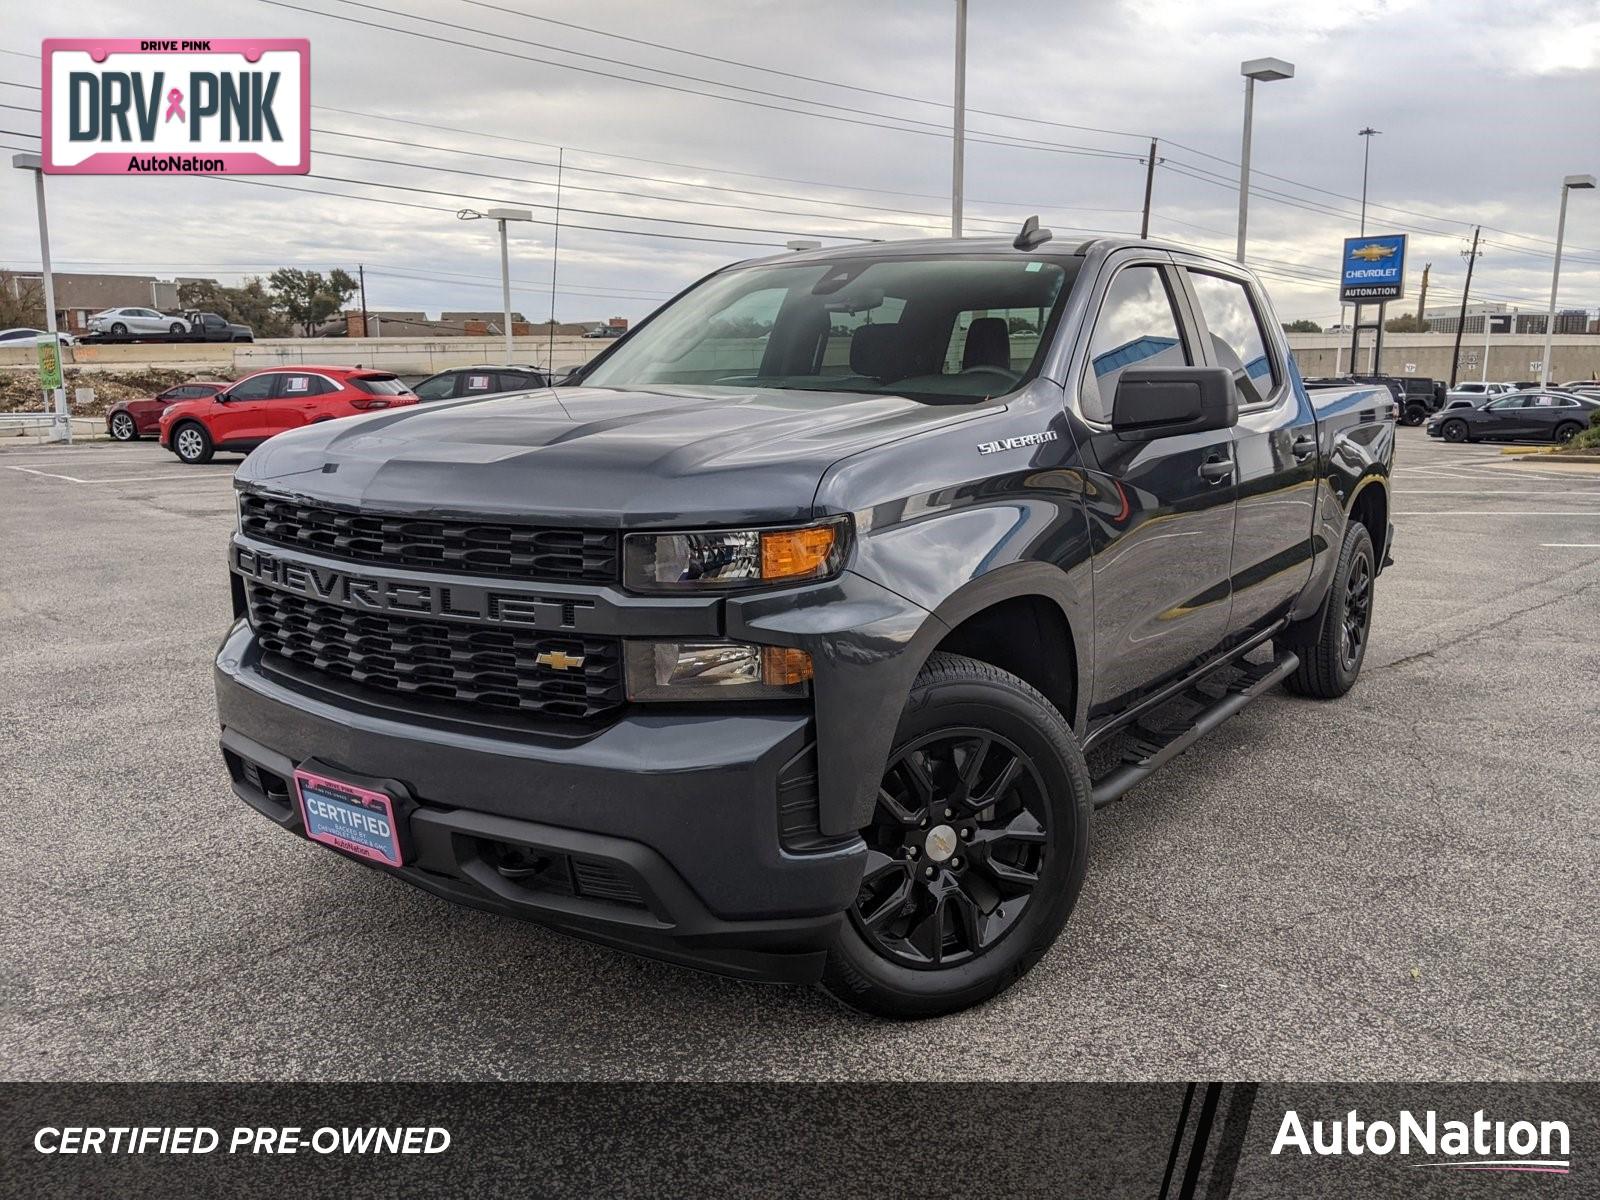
(700, 131)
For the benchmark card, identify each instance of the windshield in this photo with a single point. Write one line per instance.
(944, 330)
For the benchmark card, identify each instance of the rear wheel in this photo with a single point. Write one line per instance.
(1455, 431)
(123, 427)
(192, 443)
(119, 329)
(976, 850)
(1330, 665)
(1565, 433)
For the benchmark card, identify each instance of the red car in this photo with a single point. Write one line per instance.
(128, 420)
(272, 401)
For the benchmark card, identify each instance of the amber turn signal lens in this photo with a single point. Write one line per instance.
(781, 666)
(796, 552)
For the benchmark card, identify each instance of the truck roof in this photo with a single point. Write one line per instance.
(989, 246)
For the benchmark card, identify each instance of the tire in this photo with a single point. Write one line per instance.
(1565, 433)
(1414, 416)
(1027, 847)
(192, 444)
(1330, 665)
(176, 327)
(119, 330)
(123, 428)
(1455, 431)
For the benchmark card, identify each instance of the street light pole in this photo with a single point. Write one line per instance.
(61, 423)
(501, 216)
(1570, 183)
(1266, 70)
(959, 129)
(1366, 158)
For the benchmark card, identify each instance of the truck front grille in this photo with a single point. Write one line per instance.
(488, 666)
(491, 548)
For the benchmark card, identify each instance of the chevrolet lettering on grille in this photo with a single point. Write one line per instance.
(461, 601)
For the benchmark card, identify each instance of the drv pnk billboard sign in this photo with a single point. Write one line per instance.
(1373, 269)
(159, 106)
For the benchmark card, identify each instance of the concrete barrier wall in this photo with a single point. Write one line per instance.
(1427, 354)
(405, 356)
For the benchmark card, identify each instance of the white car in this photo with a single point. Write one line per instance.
(16, 339)
(122, 321)
(1477, 393)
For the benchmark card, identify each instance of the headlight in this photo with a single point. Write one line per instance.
(733, 558)
(715, 671)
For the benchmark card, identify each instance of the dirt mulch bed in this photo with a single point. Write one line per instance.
(19, 391)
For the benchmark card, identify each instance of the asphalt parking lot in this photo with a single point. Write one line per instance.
(1400, 885)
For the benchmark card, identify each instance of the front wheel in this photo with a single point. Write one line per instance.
(1330, 665)
(123, 428)
(175, 327)
(1455, 431)
(191, 443)
(976, 851)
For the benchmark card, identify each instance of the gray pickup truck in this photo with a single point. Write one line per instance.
(800, 636)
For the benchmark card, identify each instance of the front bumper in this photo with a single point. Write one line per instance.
(671, 833)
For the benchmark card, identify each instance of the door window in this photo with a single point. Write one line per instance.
(1237, 340)
(1137, 326)
(257, 387)
(1507, 403)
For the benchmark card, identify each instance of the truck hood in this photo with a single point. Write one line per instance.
(596, 456)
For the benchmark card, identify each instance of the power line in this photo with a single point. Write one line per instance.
(907, 125)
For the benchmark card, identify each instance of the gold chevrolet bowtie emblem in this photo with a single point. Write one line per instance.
(559, 660)
(1372, 252)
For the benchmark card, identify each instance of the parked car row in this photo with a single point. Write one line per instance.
(197, 418)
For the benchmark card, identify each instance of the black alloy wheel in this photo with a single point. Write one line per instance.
(955, 850)
(1567, 432)
(1357, 612)
(1455, 431)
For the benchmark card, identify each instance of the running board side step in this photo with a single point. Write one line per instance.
(1152, 749)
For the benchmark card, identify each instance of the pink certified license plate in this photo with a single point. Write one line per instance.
(354, 819)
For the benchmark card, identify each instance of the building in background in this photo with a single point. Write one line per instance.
(79, 296)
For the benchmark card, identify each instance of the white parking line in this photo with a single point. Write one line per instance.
(1570, 545)
(1474, 512)
(120, 478)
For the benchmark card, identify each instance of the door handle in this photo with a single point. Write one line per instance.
(1215, 470)
(1303, 447)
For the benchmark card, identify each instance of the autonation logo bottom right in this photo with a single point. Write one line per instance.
(1480, 1144)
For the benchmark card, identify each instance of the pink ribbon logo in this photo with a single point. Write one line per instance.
(175, 105)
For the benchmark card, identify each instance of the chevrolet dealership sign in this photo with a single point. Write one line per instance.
(212, 106)
(1374, 269)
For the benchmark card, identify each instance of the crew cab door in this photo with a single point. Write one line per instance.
(1161, 511)
(1274, 445)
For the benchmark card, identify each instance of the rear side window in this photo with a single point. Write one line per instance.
(380, 385)
(1137, 326)
(477, 382)
(518, 381)
(1237, 340)
(436, 388)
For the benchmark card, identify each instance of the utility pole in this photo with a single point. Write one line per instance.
(1149, 187)
(555, 261)
(1422, 297)
(959, 142)
(361, 273)
(1461, 321)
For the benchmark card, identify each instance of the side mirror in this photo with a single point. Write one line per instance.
(1158, 402)
(223, 397)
